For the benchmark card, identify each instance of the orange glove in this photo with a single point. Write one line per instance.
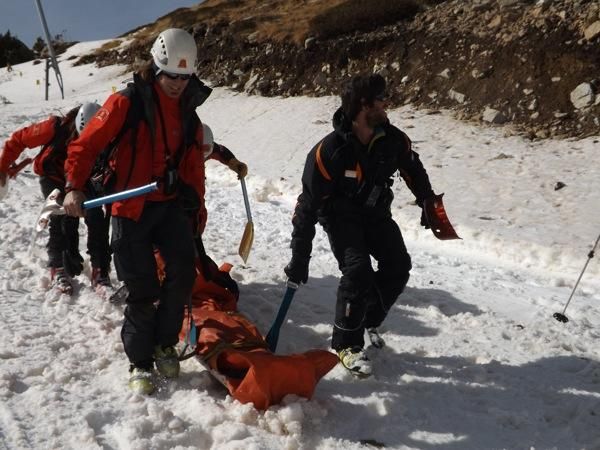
(238, 167)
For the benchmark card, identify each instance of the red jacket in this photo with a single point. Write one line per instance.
(145, 163)
(53, 133)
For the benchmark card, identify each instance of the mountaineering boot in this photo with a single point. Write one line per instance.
(356, 361)
(60, 281)
(140, 381)
(101, 282)
(375, 338)
(167, 362)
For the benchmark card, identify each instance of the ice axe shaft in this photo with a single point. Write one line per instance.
(123, 195)
(248, 236)
(14, 169)
(52, 207)
(12, 172)
(561, 316)
(273, 334)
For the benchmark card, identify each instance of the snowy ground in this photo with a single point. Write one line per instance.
(474, 358)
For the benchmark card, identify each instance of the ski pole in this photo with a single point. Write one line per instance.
(273, 334)
(561, 316)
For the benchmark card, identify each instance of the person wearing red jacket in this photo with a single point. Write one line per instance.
(166, 146)
(64, 259)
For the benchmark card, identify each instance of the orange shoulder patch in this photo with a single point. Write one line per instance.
(102, 114)
(320, 164)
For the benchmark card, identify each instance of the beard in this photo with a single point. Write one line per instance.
(376, 118)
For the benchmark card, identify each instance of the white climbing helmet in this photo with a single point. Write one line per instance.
(85, 113)
(207, 140)
(175, 51)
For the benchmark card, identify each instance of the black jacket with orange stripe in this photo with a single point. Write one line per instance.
(343, 178)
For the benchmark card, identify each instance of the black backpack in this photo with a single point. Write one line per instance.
(57, 147)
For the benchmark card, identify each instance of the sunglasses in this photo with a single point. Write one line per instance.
(382, 97)
(176, 76)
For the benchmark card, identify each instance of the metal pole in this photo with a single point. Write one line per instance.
(47, 79)
(50, 49)
(561, 316)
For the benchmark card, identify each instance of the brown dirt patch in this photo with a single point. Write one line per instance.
(520, 57)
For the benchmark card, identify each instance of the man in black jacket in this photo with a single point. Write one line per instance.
(346, 187)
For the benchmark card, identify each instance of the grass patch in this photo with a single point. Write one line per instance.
(363, 15)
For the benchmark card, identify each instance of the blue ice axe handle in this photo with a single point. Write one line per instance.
(123, 195)
(273, 334)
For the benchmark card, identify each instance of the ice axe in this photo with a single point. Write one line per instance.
(273, 334)
(438, 219)
(12, 172)
(53, 207)
(15, 168)
(248, 236)
(561, 316)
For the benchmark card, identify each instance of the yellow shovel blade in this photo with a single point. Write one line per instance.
(246, 242)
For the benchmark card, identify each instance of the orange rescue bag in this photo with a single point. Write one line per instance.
(234, 348)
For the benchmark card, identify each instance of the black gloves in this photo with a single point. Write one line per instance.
(297, 269)
(211, 271)
(72, 262)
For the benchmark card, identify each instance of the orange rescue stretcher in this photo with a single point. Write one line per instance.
(235, 352)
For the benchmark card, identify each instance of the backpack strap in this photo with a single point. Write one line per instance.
(102, 175)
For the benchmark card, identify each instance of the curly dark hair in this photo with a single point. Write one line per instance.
(359, 91)
(147, 71)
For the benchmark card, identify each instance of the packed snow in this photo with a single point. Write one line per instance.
(474, 358)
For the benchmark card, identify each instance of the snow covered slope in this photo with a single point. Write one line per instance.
(474, 358)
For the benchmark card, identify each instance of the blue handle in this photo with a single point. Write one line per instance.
(192, 335)
(100, 201)
(273, 334)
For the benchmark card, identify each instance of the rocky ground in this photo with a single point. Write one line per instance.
(530, 66)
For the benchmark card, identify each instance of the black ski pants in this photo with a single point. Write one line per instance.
(154, 312)
(365, 295)
(64, 233)
(98, 247)
(63, 230)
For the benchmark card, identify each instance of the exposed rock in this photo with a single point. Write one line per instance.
(310, 43)
(494, 116)
(457, 96)
(582, 96)
(592, 31)
(251, 83)
(521, 57)
(445, 73)
(252, 38)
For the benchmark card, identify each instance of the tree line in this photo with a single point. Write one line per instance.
(14, 51)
